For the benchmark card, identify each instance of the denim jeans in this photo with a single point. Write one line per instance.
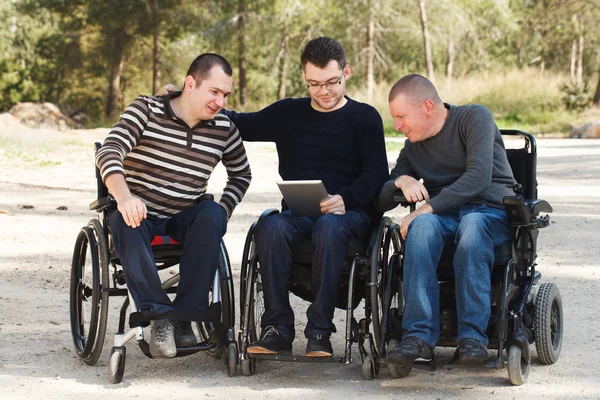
(475, 230)
(330, 234)
(199, 229)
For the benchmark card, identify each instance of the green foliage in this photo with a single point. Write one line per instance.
(577, 97)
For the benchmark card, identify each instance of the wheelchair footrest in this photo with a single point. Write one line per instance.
(202, 346)
(293, 358)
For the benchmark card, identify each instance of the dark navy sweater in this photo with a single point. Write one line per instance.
(344, 148)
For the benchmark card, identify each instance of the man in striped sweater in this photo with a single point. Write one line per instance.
(156, 162)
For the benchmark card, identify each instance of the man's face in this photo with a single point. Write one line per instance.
(411, 118)
(211, 96)
(327, 86)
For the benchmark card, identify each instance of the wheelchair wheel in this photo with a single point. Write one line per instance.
(548, 324)
(116, 364)
(232, 359)
(88, 298)
(518, 368)
(227, 305)
(250, 277)
(384, 268)
(248, 366)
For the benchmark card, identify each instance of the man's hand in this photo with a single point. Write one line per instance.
(406, 221)
(133, 210)
(413, 190)
(333, 205)
(167, 89)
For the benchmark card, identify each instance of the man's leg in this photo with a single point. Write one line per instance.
(199, 229)
(273, 239)
(480, 229)
(427, 236)
(330, 236)
(135, 253)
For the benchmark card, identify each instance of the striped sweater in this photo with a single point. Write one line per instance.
(166, 163)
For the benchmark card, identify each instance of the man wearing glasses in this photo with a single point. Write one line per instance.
(329, 137)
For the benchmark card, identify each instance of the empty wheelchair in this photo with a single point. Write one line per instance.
(524, 310)
(366, 265)
(96, 275)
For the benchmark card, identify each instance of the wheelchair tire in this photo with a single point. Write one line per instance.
(87, 297)
(248, 366)
(232, 359)
(227, 305)
(548, 323)
(116, 364)
(385, 257)
(518, 368)
(368, 368)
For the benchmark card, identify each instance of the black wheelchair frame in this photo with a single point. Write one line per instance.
(521, 315)
(360, 277)
(96, 278)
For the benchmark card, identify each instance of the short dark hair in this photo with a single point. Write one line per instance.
(416, 87)
(321, 51)
(201, 66)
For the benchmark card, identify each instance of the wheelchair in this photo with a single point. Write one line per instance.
(361, 279)
(524, 311)
(96, 275)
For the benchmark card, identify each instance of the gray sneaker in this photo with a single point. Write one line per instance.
(162, 339)
(184, 335)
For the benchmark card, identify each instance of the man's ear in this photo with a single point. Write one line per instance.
(347, 71)
(189, 83)
(428, 106)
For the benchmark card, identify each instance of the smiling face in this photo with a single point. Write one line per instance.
(211, 95)
(326, 86)
(413, 118)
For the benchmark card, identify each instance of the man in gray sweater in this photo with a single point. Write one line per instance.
(454, 160)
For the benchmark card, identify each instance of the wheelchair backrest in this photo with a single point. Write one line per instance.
(102, 190)
(523, 162)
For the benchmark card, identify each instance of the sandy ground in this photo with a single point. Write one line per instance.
(47, 169)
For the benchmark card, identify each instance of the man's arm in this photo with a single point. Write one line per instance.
(238, 172)
(373, 159)
(259, 126)
(123, 137)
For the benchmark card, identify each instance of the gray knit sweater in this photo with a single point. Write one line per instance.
(464, 163)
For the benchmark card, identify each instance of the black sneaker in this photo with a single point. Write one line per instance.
(318, 346)
(410, 350)
(162, 339)
(472, 352)
(184, 335)
(271, 343)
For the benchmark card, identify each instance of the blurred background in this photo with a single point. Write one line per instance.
(534, 63)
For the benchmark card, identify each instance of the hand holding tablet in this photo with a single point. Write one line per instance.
(304, 197)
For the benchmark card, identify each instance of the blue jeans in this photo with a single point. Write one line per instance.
(475, 230)
(329, 234)
(199, 229)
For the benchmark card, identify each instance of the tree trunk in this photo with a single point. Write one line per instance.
(579, 78)
(113, 106)
(450, 60)
(370, 52)
(426, 44)
(242, 65)
(597, 94)
(283, 65)
(573, 59)
(155, 48)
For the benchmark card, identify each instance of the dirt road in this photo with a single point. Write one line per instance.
(47, 170)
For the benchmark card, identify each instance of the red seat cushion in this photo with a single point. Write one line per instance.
(159, 240)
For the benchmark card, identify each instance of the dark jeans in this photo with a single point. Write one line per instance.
(199, 229)
(329, 233)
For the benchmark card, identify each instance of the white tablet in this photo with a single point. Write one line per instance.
(303, 197)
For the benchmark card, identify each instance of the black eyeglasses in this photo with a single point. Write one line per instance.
(318, 86)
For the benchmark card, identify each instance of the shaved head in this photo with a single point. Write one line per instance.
(416, 89)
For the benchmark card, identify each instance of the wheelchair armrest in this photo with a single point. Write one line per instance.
(390, 197)
(263, 216)
(523, 212)
(103, 204)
